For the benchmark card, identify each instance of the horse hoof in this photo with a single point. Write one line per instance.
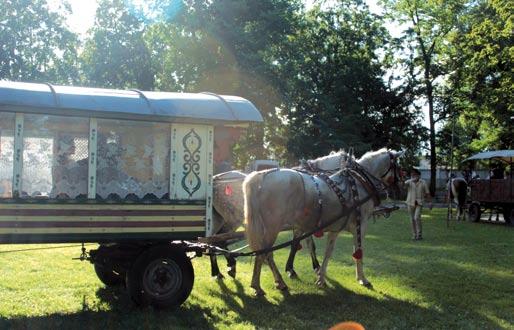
(292, 274)
(259, 293)
(321, 283)
(366, 284)
(282, 286)
(218, 276)
(232, 273)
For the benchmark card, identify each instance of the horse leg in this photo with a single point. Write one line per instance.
(359, 266)
(312, 248)
(279, 281)
(292, 253)
(215, 270)
(331, 241)
(231, 264)
(256, 277)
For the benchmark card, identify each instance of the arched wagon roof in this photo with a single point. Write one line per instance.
(505, 155)
(127, 104)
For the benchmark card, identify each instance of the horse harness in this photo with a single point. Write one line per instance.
(351, 173)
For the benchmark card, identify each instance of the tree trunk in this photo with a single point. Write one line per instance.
(430, 97)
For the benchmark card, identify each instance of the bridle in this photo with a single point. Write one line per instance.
(392, 166)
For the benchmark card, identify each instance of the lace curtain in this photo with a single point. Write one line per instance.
(6, 153)
(55, 154)
(133, 159)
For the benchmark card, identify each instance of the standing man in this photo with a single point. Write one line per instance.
(417, 191)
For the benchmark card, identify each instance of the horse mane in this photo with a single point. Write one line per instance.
(366, 158)
(340, 152)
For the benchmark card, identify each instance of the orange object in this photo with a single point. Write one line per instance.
(349, 325)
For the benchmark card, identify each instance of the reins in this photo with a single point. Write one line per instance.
(296, 240)
(347, 211)
(351, 172)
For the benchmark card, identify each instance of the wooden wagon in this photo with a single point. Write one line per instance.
(496, 192)
(130, 170)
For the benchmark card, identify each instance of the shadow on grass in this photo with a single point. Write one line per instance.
(297, 310)
(115, 311)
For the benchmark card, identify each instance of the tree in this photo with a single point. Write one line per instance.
(116, 55)
(480, 86)
(35, 44)
(335, 94)
(429, 22)
(226, 47)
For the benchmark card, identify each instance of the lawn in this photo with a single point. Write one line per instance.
(457, 277)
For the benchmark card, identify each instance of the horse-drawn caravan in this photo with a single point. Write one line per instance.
(495, 193)
(133, 171)
(130, 170)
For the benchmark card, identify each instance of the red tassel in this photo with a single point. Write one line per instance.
(299, 247)
(357, 255)
(318, 234)
(228, 190)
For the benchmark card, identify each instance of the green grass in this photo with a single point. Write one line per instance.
(461, 277)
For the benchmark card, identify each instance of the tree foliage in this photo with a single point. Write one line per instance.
(482, 81)
(35, 44)
(428, 24)
(335, 94)
(116, 55)
(317, 75)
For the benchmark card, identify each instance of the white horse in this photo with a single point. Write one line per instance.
(228, 200)
(458, 191)
(351, 227)
(275, 199)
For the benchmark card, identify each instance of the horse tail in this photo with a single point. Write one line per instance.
(255, 231)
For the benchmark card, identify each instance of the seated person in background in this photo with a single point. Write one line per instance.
(497, 172)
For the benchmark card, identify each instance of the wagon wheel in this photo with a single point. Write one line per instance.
(474, 212)
(508, 214)
(162, 277)
(108, 275)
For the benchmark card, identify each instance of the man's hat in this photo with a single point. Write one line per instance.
(415, 170)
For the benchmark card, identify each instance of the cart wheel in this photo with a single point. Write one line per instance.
(162, 277)
(508, 214)
(108, 276)
(474, 212)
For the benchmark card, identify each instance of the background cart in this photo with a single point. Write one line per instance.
(494, 193)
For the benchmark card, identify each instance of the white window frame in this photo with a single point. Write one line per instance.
(18, 155)
(92, 148)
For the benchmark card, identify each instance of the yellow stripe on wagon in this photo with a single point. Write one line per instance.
(65, 218)
(113, 207)
(99, 230)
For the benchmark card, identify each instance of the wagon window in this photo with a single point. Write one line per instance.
(133, 159)
(6, 153)
(55, 156)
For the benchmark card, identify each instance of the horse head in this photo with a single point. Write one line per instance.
(383, 164)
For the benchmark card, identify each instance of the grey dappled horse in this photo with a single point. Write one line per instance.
(276, 199)
(228, 201)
